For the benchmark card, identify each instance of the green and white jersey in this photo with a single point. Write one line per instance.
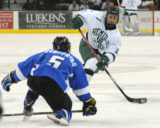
(131, 6)
(105, 41)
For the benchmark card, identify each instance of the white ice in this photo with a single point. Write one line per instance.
(136, 70)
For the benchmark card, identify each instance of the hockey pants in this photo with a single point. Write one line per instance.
(51, 92)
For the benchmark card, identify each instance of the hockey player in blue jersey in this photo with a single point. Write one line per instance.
(50, 74)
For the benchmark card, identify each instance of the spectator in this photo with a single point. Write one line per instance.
(84, 5)
(63, 4)
(1, 3)
(41, 5)
(95, 4)
(74, 6)
(106, 3)
(80, 1)
(29, 5)
(64, 1)
(52, 4)
(115, 2)
(157, 4)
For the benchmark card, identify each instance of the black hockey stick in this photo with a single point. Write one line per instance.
(37, 113)
(133, 100)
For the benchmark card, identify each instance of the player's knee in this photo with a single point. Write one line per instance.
(91, 64)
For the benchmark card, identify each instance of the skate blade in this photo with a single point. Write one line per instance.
(61, 121)
(26, 118)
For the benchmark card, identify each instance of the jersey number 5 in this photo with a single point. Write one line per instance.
(56, 61)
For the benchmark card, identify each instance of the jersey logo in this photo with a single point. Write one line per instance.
(101, 37)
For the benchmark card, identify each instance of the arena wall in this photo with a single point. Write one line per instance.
(57, 22)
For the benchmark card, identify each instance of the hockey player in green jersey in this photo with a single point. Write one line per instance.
(103, 36)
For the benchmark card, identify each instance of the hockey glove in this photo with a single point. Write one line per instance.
(103, 62)
(8, 81)
(77, 22)
(89, 107)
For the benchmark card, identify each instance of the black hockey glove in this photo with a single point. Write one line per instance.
(89, 107)
(8, 81)
(77, 22)
(103, 63)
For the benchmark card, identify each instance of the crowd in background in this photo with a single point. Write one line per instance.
(157, 4)
(72, 5)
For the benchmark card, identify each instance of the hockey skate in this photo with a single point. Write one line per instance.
(28, 110)
(60, 117)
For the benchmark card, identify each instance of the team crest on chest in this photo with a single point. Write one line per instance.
(101, 36)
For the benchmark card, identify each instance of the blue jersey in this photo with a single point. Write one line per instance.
(60, 66)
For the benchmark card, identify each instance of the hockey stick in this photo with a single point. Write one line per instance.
(118, 2)
(37, 113)
(133, 100)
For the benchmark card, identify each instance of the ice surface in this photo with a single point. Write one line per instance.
(136, 70)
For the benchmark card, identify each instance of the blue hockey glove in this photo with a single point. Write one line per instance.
(89, 107)
(8, 81)
(103, 62)
(77, 22)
